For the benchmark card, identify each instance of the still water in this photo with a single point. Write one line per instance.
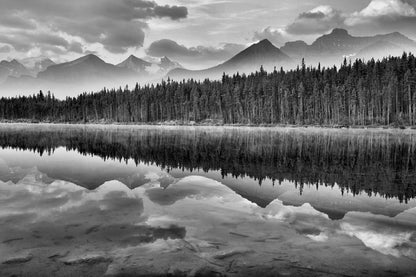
(147, 200)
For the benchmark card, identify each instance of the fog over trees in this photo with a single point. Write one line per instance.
(357, 93)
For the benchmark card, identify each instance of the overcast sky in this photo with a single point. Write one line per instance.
(196, 33)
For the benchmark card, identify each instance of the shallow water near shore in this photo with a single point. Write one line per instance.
(149, 200)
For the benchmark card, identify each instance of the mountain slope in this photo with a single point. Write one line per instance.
(135, 64)
(87, 73)
(42, 65)
(263, 53)
(396, 38)
(379, 49)
(86, 68)
(36, 64)
(332, 47)
(295, 49)
(338, 41)
(12, 69)
(166, 64)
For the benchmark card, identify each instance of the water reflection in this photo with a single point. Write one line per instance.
(181, 201)
(370, 162)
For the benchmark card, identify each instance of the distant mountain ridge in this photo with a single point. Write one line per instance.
(87, 68)
(135, 64)
(34, 73)
(167, 64)
(328, 49)
(339, 43)
(12, 69)
(87, 73)
(145, 68)
(263, 53)
(36, 64)
(23, 69)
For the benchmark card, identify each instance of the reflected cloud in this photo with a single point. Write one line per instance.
(61, 215)
(196, 188)
(390, 236)
(136, 210)
(386, 243)
(277, 210)
(322, 237)
(34, 195)
(89, 171)
(36, 201)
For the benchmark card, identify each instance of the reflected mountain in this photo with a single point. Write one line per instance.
(190, 223)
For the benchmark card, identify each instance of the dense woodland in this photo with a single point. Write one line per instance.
(357, 93)
(376, 163)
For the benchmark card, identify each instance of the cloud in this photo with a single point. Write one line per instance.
(276, 36)
(47, 39)
(387, 235)
(167, 47)
(384, 16)
(316, 21)
(384, 8)
(173, 12)
(17, 21)
(24, 41)
(116, 25)
(18, 44)
(387, 243)
(5, 49)
(76, 47)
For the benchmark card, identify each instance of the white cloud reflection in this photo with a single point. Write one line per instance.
(210, 214)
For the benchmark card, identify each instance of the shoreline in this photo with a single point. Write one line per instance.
(194, 124)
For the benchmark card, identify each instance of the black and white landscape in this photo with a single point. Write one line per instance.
(90, 73)
(207, 138)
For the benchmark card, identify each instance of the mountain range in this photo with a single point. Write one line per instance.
(90, 73)
(85, 69)
(328, 50)
(12, 69)
(331, 48)
(263, 53)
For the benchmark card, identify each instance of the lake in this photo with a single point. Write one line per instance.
(206, 201)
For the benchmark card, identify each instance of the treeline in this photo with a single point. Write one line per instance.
(358, 93)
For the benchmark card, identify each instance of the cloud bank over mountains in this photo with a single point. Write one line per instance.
(200, 54)
(196, 33)
(379, 16)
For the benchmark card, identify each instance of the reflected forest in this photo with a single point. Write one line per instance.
(372, 163)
